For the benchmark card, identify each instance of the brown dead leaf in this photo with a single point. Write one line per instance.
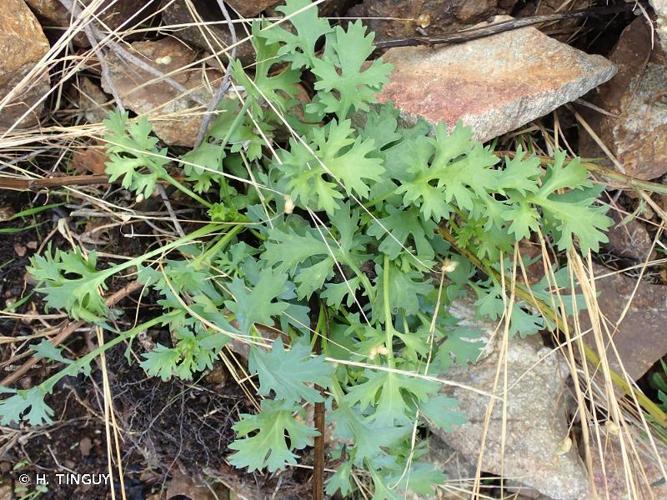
(89, 161)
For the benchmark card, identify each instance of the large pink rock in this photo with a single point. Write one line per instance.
(494, 84)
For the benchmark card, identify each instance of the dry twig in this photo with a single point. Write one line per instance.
(509, 25)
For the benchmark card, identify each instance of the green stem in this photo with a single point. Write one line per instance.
(202, 231)
(182, 188)
(388, 325)
(368, 287)
(336, 390)
(228, 135)
(379, 198)
(235, 123)
(218, 245)
(319, 328)
(49, 383)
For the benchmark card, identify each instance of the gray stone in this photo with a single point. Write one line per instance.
(94, 104)
(636, 131)
(660, 8)
(494, 84)
(536, 425)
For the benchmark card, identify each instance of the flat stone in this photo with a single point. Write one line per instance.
(144, 93)
(495, 84)
(460, 473)
(637, 135)
(209, 31)
(640, 338)
(611, 475)
(537, 425)
(22, 45)
(251, 8)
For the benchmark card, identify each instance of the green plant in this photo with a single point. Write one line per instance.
(659, 382)
(335, 236)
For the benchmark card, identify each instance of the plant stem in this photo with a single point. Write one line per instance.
(626, 180)
(388, 325)
(228, 136)
(319, 412)
(182, 188)
(219, 245)
(202, 231)
(49, 383)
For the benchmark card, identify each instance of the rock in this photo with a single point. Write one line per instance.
(640, 338)
(251, 8)
(637, 135)
(459, 472)
(336, 7)
(536, 424)
(210, 37)
(326, 8)
(112, 14)
(612, 478)
(560, 30)
(143, 93)
(85, 446)
(629, 239)
(93, 103)
(660, 8)
(22, 45)
(495, 84)
(407, 18)
(464, 309)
